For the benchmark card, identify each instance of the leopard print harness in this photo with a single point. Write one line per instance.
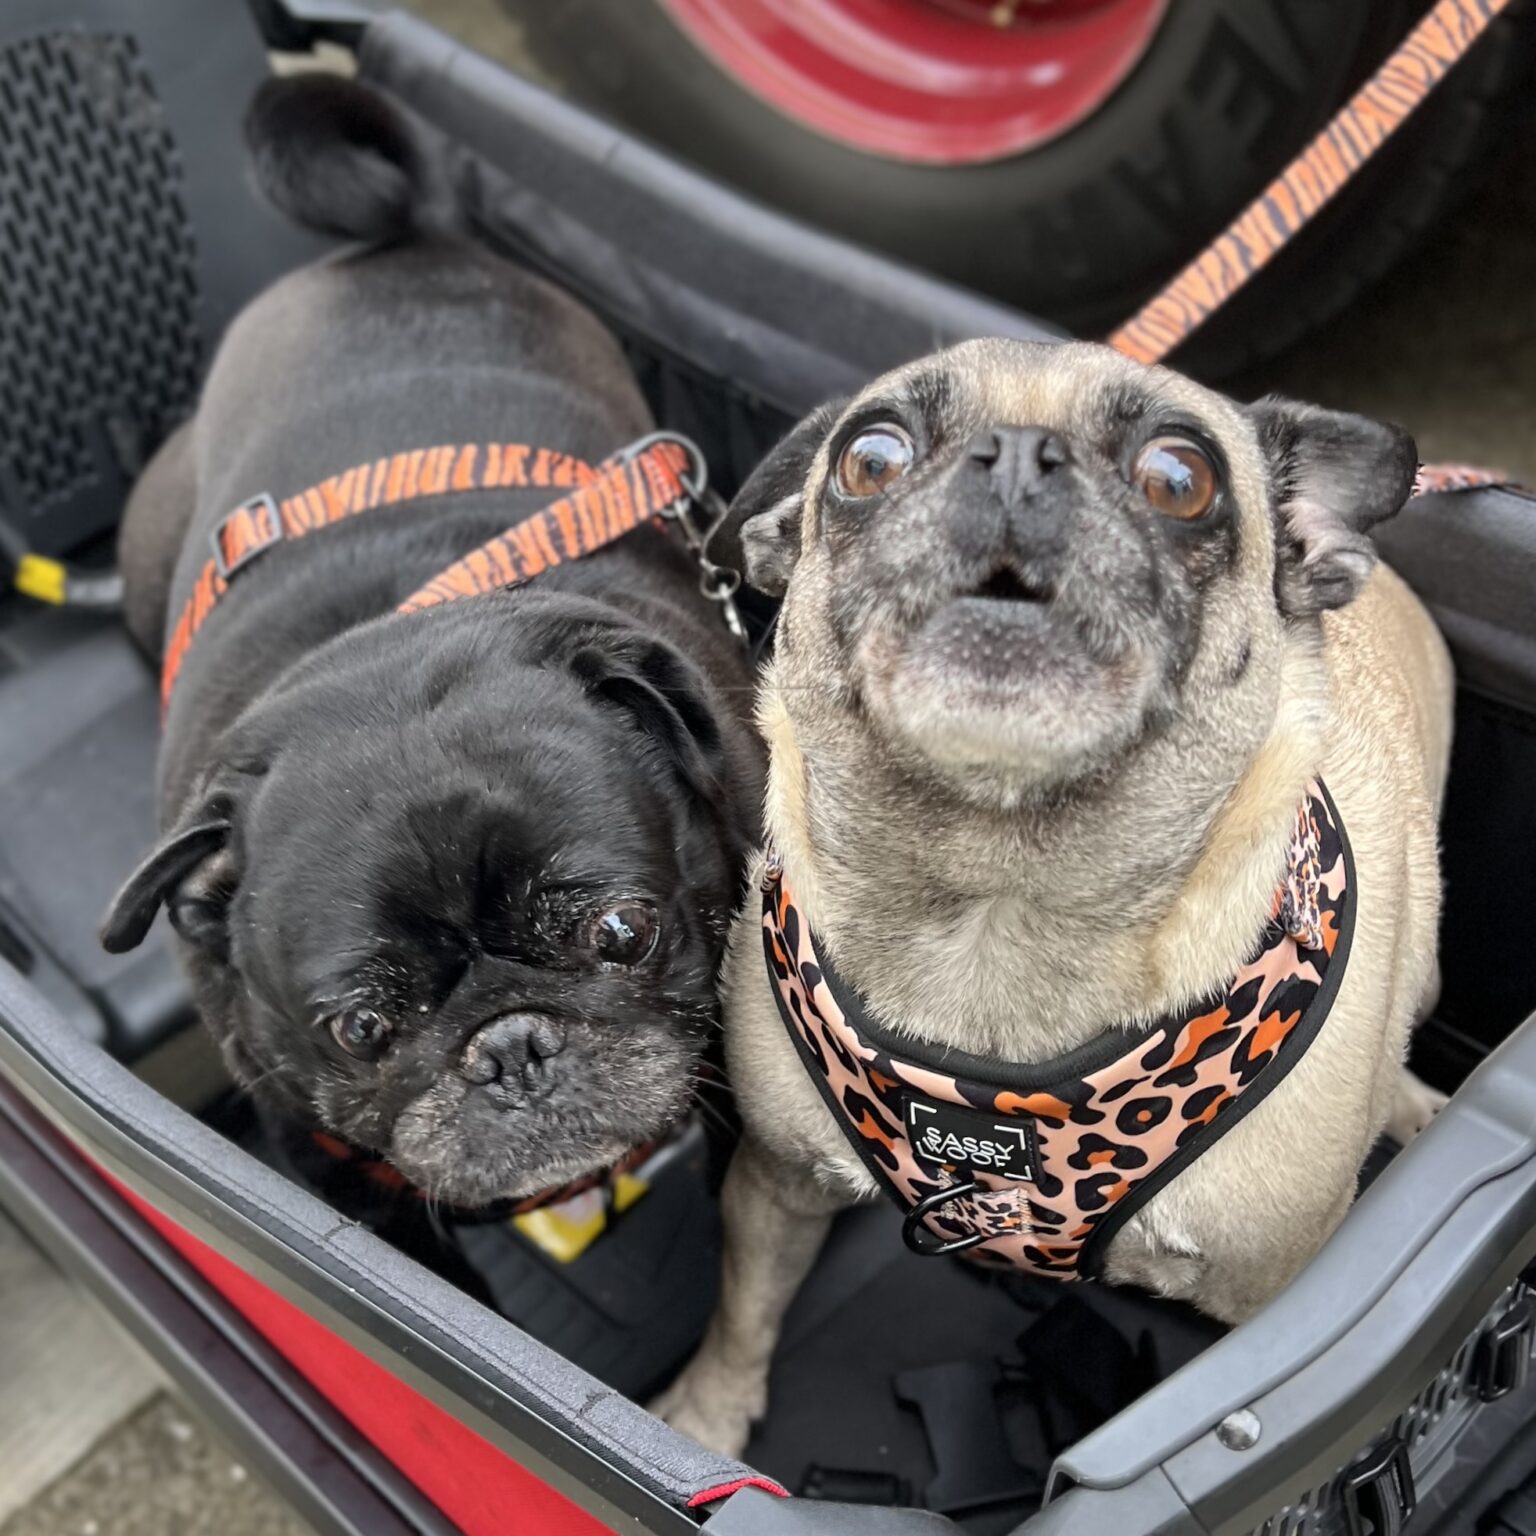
(1039, 1166)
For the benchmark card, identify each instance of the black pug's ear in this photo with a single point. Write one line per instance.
(1332, 476)
(760, 534)
(190, 874)
(667, 698)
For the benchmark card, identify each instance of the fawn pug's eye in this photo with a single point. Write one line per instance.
(624, 935)
(1177, 477)
(360, 1032)
(874, 458)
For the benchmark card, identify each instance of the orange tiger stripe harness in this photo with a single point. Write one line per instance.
(1039, 1166)
(656, 478)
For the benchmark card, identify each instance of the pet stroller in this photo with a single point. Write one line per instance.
(1387, 1389)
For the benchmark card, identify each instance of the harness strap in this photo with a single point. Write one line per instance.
(1372, 115)
(653, 478)
(656, 478)
(1040, 1165)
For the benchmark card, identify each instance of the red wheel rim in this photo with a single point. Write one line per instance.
(938, 82)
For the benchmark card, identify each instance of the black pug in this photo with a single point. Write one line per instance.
(451, 885)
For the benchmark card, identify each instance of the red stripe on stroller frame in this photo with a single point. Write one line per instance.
(481, 1489)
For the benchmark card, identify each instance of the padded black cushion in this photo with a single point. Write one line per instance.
(77, 811)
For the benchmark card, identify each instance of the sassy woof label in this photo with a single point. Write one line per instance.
(948, 1136)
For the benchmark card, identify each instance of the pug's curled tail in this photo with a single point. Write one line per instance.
(340, 158)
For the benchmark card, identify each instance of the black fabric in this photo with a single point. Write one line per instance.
(1488, 860)
(1082, 1369)
(957, 1401)
(633, 1307)
(1472, 557)
(871, 1315)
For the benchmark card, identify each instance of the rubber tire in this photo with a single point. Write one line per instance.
(1083, 229)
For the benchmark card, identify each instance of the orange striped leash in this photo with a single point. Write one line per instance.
(661, 478)
(1376, 111)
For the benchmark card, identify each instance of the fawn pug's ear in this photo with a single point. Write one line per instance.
(760, 534)
(1333, 476)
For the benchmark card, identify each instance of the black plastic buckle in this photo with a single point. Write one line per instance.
(1377, 1492)
(923, 1240)
(264, 526)
(973, 1465)
(1502, 1363)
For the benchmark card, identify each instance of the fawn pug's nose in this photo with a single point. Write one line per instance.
(1014, 526)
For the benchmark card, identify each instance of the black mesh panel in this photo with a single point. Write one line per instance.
(99, 345)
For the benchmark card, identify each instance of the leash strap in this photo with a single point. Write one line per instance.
(1441, 479)
(657, 477)
(1377, 110)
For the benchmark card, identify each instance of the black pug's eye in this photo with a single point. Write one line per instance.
(874, 458)
(625, 935)
(360, 1032)
(1177, 477)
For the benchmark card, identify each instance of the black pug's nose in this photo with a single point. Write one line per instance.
(1019, 461)
(516, 1050)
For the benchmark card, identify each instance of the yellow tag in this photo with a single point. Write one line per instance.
(39, 577)
(567, 1230)
(627, 1189)
(563, 1237)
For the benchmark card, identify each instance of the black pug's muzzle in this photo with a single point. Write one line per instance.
(539, 1096)
(535, 1102)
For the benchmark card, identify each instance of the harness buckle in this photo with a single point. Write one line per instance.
(1377, 1492)
(922, 1239)
(716, 582)
(251, 529)
(1502, 1362)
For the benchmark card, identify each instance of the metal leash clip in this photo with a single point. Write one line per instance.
(921, 1238)
(717, 582)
